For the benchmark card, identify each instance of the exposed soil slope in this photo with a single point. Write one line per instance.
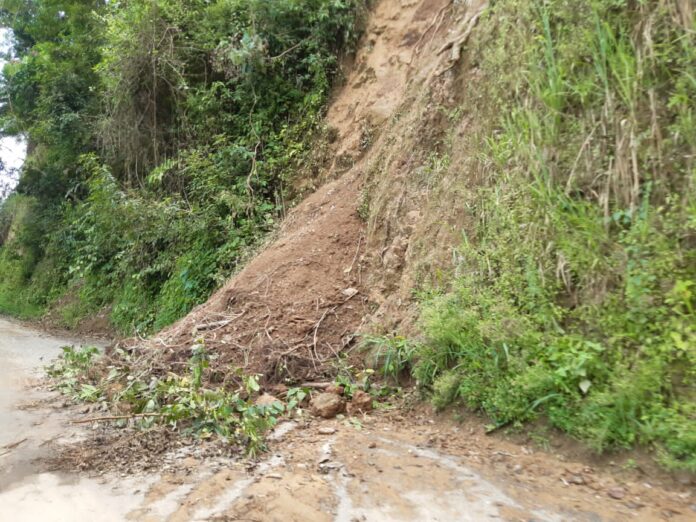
(297, 305)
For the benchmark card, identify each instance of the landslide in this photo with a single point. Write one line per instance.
(293, 312)
(527, 222)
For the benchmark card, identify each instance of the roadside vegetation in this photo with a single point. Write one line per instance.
(185, 402)
(574, 293)
(161, 137)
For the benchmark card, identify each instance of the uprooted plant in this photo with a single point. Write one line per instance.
(182, 402)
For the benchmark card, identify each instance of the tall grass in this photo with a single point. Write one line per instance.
(578, 294)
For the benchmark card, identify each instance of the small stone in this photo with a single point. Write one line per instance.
(361, 403)
(634, 505)
(685, 479)
(578, 480)
(327, 405)
(349, 292)
(372, 445)
(279, 389)
(327, 430)
(616, 493)
(336, 390)
(266, 400)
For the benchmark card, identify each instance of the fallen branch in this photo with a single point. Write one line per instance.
(210, 326)
(13, 445)
(316, 328)
(116, 417)
(316, 385)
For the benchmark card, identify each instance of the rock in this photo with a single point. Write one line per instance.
(327, 431)
(634, 505)
(279, 389)
(326, 405)
(616, 493)
(266, 400)
(685, 479)
(578, 480)
(349, 292)
(361, 403)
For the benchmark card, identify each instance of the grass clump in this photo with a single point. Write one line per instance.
(575, 294)
(391, 356)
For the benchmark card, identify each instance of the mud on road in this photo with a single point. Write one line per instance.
(391, 465)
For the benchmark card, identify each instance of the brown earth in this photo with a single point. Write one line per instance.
(392, 465)
(399, 463)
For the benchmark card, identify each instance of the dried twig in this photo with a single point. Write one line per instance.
(210, 326)
(315, 385)
(13, 445)
(116, 417)
(357, 251)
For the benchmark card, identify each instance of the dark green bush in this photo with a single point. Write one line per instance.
(161, 134)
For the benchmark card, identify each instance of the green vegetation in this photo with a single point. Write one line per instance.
(179, 402)
(162, 135)
(392, 356)
(575, 297)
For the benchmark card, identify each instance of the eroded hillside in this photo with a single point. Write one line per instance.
(500, 207)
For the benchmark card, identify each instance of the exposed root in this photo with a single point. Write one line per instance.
(458, 42)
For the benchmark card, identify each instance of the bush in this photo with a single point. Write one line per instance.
(162, 134)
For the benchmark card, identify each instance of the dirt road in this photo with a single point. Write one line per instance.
(28, 427)
(387, 466)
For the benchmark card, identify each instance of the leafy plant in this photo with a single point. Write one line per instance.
(163, 134)
(391, 355)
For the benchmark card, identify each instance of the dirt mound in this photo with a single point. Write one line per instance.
(295, 308)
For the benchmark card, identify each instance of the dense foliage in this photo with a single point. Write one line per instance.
(576, 289)
(160, 136)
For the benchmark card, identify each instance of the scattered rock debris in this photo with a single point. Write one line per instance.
(360, 403)
(327, 405)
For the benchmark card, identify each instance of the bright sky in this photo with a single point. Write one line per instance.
(12, 151)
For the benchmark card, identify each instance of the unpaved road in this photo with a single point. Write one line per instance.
(381, 467)
(27, 428)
